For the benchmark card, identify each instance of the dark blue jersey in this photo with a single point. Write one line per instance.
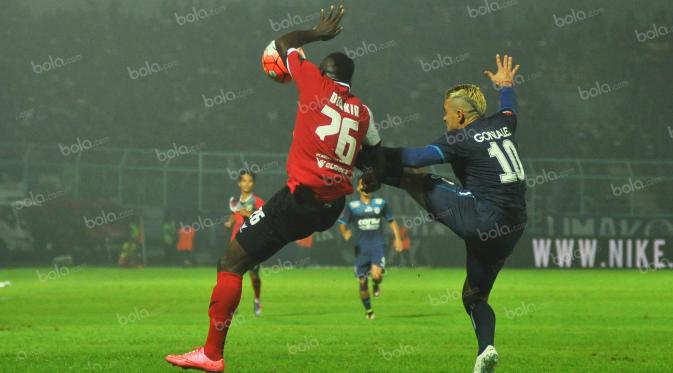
(484, 156)
(368, 220)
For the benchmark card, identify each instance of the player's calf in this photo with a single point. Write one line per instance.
(223, 304)
(483, 318)
(377, 278)
(364, 296)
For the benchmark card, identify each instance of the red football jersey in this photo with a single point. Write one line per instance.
(251, 204)
(330, 128)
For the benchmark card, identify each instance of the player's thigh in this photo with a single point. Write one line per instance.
(450, 204)
(259, 236)
(286, 217)
(376, 271)
(378, 262)
(484, 261)
(480, 277)
(362, 266)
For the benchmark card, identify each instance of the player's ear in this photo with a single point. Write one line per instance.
(461, 116)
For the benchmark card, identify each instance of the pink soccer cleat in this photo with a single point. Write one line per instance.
(196, 359)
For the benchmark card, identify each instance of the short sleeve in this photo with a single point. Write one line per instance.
(372, 137)
(302, 70)
(346, 216)
(259, 203)
(387, 213)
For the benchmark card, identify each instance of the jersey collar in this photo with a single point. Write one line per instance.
(344, 84)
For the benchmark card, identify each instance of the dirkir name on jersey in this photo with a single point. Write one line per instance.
(348, 108)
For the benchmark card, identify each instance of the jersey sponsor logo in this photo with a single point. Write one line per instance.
(369, 224)
(323, 162)
(492, 135)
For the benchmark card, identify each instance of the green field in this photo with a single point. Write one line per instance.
(114, 320)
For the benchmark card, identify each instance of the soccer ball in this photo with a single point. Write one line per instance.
(274, 66)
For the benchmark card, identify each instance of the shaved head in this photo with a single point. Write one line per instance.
(337, 66)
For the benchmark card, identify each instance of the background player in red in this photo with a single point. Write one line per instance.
(331, 127)
(242, 207)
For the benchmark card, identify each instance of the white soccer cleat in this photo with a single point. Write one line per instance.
(257, 307)
(486, 361)
(4, 284)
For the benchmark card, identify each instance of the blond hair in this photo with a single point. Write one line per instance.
(468, 97)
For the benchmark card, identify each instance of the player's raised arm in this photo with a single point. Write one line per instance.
(503, 79)
(327, 28)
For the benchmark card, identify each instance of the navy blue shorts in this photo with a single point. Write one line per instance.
(490, 233)
(366, 257)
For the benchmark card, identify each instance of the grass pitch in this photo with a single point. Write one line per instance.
(98, 319)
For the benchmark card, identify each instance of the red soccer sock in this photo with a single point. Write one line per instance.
(223, 304)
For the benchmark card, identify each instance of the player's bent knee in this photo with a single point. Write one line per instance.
(235, 260)
(470, 300)
(364, 286)
(472, 296)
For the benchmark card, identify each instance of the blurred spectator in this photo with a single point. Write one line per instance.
(185, 244)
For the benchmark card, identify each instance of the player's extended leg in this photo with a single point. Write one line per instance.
(223, 303)
(257, 288)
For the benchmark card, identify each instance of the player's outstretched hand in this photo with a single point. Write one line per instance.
(328, 27)
(505, 74)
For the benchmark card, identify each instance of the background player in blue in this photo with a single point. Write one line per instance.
(488, 211)
(365, 214)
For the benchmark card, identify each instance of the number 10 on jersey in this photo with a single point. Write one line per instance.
(509, 162)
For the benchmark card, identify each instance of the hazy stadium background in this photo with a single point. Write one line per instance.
(86, 132)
